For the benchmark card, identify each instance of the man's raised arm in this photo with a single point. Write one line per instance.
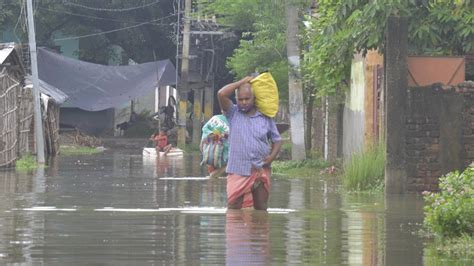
(223, 95)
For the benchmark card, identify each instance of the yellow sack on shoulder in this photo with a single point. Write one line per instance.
(266, 94)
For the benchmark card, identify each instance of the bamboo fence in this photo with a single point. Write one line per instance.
(26, 131)
(51, 128)
(9, 89)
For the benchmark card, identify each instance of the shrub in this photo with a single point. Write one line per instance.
(450, 212)
(365, 170)
(26, 162)
(457, 248)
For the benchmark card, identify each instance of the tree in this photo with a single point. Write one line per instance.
(265, 44)
(151, 40)
(261, 30)
(340, 28)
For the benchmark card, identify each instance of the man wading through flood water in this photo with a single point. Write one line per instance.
(254, 143)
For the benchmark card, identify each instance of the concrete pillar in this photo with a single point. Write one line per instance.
(295, 87)
(396, 96)
(183, 95)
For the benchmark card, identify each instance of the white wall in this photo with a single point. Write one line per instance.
(354, 116)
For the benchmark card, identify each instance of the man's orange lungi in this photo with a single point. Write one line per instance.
(238, 185)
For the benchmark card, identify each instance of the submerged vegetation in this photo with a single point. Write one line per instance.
(449, 213)
(458, 247)
(304, 168)
(27, 162)
(365, 170)
(77, 150)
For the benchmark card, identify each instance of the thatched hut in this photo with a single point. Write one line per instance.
(51, 99)
(16, 112)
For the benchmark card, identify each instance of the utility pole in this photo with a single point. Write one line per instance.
(36, 92)
(295, 88)
(183, 91)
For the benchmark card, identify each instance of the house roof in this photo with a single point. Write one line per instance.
(95, 87)
(48, 89)
(5, 50)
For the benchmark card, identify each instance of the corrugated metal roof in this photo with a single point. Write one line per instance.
(48, 89)
(5, 50)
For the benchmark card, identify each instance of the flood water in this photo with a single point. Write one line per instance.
(115, 208)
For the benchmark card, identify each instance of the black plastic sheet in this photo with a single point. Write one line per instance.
(95, 87)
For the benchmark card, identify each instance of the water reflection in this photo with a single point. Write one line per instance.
(15, 182)
(364, 227)
(247, 237)
(402, 213)
(116, 208)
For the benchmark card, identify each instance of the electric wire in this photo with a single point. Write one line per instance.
(87, 16)
(110, 31)
(111, 9)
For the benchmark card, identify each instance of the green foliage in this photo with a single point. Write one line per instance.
(457, 248)
(142, 126)
(153, 40)
(262, 46)
(240, 15)
(365, 170)
(340, 28)
(26, 162)
(304, 168)
(446, 28)
(139, 129)
(9, 14)
(77, 150)
(450, 212)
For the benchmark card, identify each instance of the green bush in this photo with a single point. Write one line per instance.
(365, 170)
(455, 248)
(450, 212)
(26, 162)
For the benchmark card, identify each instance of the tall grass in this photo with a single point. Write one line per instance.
(365, 170)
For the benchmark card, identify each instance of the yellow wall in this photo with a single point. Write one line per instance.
(372, 60)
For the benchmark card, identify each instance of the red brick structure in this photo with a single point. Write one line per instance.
(439, 133)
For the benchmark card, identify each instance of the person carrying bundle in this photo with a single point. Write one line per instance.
(254, 143)
(214, 145)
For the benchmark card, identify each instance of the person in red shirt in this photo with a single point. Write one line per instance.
(161, 142)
